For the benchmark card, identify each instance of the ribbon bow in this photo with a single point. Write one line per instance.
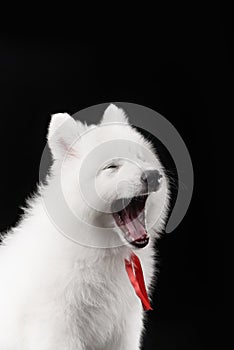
(136, 277)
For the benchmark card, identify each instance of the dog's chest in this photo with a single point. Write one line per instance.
(100, 302)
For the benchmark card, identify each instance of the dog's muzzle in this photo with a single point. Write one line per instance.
(151, 179)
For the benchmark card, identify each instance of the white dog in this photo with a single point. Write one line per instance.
(66, 269)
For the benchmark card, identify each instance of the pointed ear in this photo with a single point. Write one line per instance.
(63, 131)
(113, 114)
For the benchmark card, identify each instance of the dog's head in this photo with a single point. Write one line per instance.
(110, 173)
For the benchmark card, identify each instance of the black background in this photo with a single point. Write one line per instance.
(179, 72)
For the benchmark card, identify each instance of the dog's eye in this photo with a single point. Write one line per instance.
(111, 166)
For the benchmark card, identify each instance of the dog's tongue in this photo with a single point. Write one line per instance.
(134, 226)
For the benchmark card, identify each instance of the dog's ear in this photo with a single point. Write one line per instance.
(63, 131)
(114, 114)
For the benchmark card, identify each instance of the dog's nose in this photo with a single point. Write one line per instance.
(152, 179)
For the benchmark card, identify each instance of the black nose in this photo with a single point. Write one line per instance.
(152, 179)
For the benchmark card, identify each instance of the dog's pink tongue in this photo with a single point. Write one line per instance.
(135, 228)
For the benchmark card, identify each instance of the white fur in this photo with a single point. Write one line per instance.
(55, 293)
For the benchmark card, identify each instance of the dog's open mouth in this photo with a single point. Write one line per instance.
(131, 219)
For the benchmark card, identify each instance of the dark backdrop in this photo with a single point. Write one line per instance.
(180, 75)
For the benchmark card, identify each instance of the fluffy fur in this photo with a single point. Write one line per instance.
(56, 293)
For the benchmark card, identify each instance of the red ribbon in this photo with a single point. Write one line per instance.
(136, 277)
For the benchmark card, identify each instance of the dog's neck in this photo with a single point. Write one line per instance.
(55, 224)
